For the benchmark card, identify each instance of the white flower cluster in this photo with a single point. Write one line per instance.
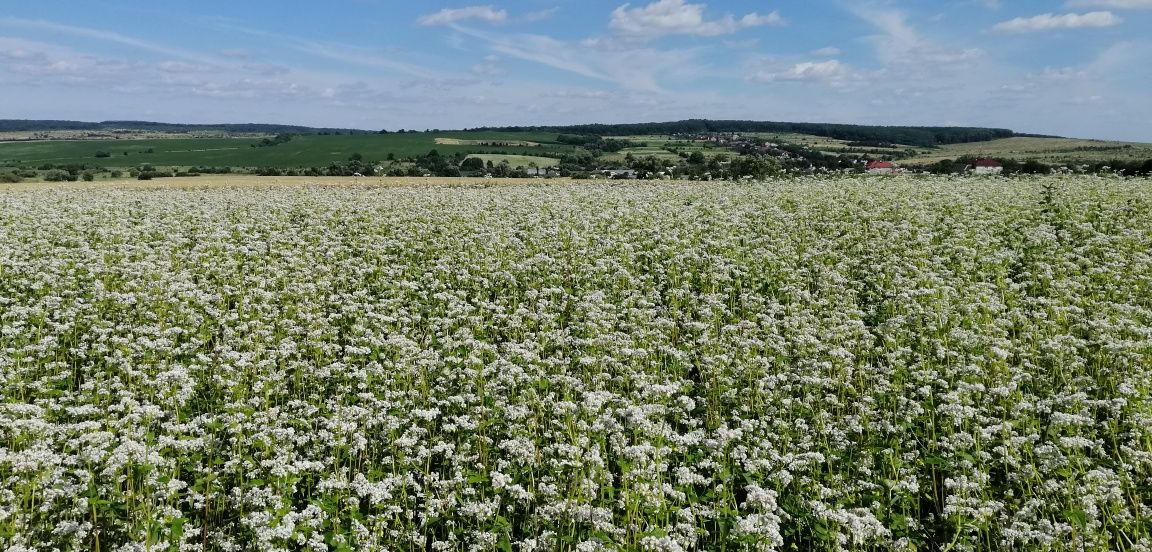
(841, 364)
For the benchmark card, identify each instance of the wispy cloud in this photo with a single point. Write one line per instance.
(340, 52)
(1051, 21)
(539, 49)
(1113, 4)
(901, 43)
(50, 66)
(1116, 62)
(107, 36)
(670, 17)
(627, 65)
(449, 16)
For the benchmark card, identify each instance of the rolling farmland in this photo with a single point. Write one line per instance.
(300, 151)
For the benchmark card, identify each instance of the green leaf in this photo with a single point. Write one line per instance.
(176, 530)
(477, 478)
(933, 461)
(1079, 518)
(505, 545)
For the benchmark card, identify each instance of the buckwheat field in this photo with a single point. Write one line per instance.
(814, 364)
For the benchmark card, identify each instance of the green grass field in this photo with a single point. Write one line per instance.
(655, 146)
(517, 160)
(301, 151)
(1042, 149)
(656, 152)
(1049, 150)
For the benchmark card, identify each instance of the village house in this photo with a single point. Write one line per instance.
(881, 167)
(987, 166)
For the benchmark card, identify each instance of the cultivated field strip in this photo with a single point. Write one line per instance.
(837, 364)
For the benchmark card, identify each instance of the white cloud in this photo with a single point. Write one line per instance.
(449, 16)
(832, 72)
(666, 17)
(1114, 4)
(829, 51)
(1051, 21)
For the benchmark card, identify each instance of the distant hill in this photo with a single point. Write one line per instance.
(926, 136)
(906, 135)
(28, 125)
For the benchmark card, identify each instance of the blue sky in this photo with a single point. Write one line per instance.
(1070, 67)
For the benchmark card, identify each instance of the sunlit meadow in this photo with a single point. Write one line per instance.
(822, 364)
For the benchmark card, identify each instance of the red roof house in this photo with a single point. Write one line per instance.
(987, 166)
(881, 167)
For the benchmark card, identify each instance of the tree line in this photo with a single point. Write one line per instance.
(926, 136)
(42, 125)
(921, 136)
(1134, 167)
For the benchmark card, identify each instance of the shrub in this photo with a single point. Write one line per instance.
(57, 175)
(1033, 166)
(150, 174)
